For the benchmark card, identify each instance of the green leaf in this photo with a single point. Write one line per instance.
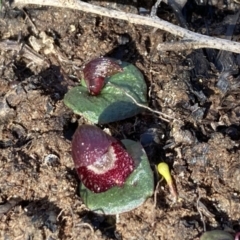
(138, 187)
(216, 235)
(112, 104)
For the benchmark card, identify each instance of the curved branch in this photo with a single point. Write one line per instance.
(201, 40)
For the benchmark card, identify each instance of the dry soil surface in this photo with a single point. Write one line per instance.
(42, 53)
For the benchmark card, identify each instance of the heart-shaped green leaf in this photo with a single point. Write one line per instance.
(112, 104)
(138, 187)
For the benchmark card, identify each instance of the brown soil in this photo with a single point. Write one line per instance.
(38, 189)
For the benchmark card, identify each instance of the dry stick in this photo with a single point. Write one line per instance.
(155, 8)
(181, 45)
(199, 40)
(163, 116)
(155, 203)
(35, 30)
(200, 213)
(85, 225)
(23, 50)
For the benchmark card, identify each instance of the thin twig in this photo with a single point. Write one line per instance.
(85, 225)
(199, 39)
(154, 8)
(35, 30)
(155, 194)
(155, 203)
(163, 116)
(200, 213)
(59, 215)
(181, 45)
